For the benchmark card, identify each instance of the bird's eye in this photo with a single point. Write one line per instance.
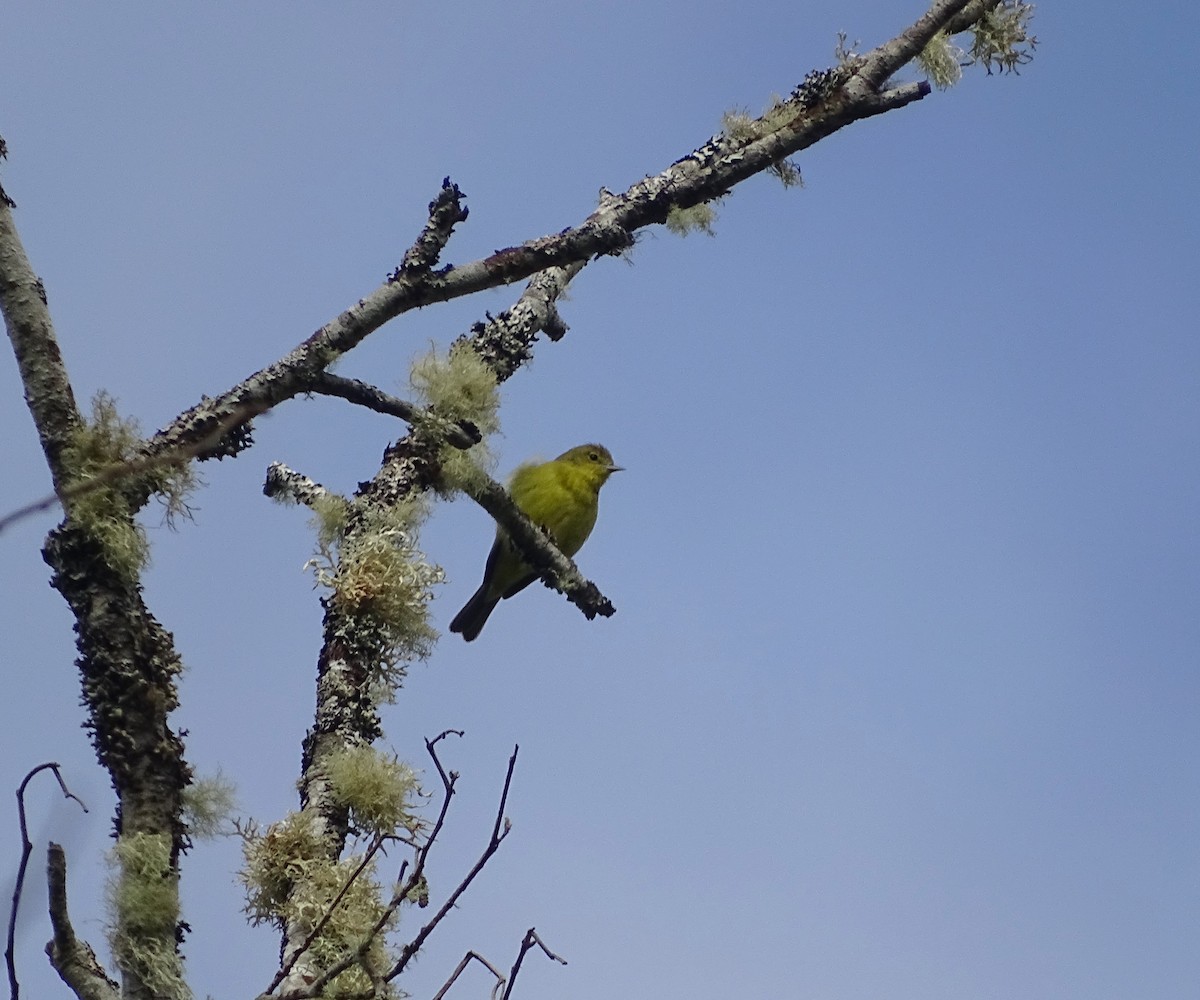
(594, 456)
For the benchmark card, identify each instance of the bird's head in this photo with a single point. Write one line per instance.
(594, 458)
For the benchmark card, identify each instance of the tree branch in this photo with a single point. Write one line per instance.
(531, 938)
(283, 483)
(10, 957)
(73, 960)
(883, 61)
(500, 830)
(461, 434)
(537, 549)
(825, 103)
(466, 959)
(48, 390)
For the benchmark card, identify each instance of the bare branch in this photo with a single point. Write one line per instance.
(283, 483)
(48, 390)
(500, 830)
(531, 939)
(445, 211)
(73, 960)
(537, 549)
(431, 746)
(294, 373)
(466, 959)
(26, 850)
(461, 434)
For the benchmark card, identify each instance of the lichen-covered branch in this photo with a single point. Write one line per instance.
(127, 661)
(419, 462)
(26, 316)
(823, 104)
(537, 549)
(286, 484)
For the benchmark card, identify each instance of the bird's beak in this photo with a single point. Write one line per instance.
(616, 468)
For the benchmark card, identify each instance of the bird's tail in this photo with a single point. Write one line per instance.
(470, 620)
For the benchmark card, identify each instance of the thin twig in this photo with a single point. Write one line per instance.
(461, 433)
(466, 959)
(497, 838)
(404, 887)
(531, 938)
(26, 850)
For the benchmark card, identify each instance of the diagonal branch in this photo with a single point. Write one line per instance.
(461, 434)
(531, 938)
(500, 830)
(539, 551)
(824, 104)
(883, 61)
(445, 212)
(48, 390)
(466, 960)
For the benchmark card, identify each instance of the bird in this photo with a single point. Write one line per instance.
(562, 498)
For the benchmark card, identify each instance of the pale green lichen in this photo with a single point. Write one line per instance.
(377, 789)
(739, 126)
(351, 922)
(329, 518)
(274, 861)
(105, 441)
(291, 882)
(787, 173)
(143, 901)
(381, 580)
(1002, 38)
(465, 471)
(940, 60)
(96, 500)
(696, 219)
(459, 386)
(208, 804)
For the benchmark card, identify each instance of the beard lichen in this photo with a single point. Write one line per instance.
(378, 789)
(940, 60)
(102, 495)
(291, 882)
(143, 904)
(460, 387)
(380, 582)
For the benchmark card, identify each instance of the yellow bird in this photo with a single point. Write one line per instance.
(562, 497)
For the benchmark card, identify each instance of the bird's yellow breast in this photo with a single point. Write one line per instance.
(561, 497)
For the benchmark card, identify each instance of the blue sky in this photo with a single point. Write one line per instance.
(900, 697)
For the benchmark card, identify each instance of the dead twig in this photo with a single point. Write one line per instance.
(10, 959)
